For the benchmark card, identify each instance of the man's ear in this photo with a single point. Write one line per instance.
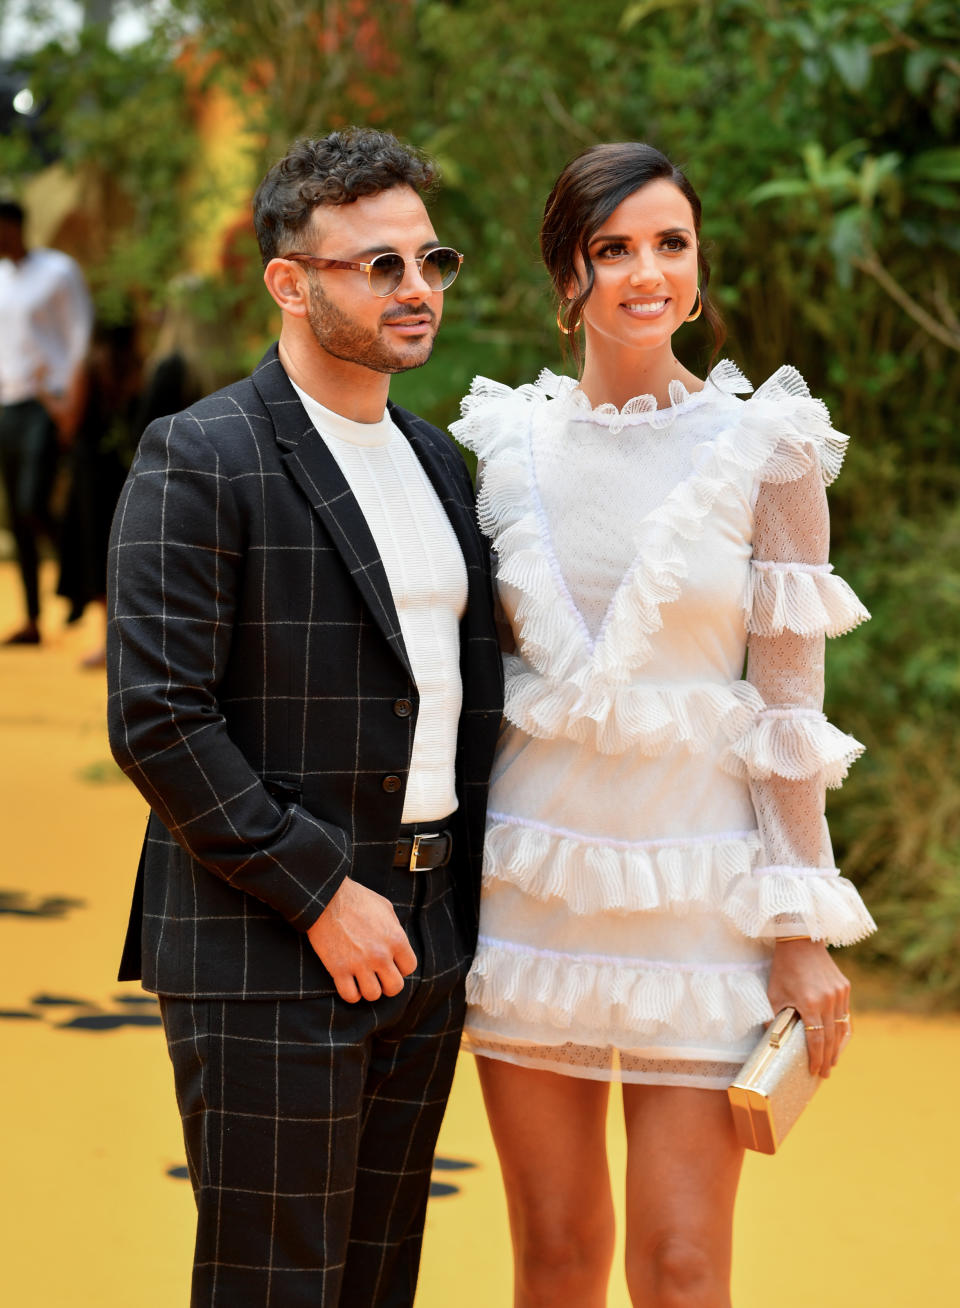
(288, 286)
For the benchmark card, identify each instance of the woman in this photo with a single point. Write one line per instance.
(658, 877)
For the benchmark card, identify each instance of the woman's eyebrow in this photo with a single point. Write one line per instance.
(625, 240)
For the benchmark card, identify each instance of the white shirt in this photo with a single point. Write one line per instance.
(46, 317)
(428, 581)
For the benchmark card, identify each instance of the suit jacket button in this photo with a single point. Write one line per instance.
(402, 707)
(391, 784)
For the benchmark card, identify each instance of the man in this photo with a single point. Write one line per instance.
(45, 323)
(297, 585)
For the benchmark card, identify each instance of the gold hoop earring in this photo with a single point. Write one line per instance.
(568, 331)
(699, 309)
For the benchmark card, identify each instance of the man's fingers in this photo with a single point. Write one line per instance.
(369, 984)
(404, 957)
(360, 941)
(347, 988)
(391, 980)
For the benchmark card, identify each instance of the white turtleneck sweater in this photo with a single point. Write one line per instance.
(428, 580)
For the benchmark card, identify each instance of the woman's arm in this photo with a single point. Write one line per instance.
(793, 754)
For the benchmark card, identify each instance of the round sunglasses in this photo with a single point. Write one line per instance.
(385, 272)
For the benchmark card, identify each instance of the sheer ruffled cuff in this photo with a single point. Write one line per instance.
(813, 901)
(804, 598)
(796, 744)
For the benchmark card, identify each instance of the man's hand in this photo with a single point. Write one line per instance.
(361, 943)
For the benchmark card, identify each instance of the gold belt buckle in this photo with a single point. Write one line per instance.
(413, 865)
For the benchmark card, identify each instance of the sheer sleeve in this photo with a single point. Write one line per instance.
(792, 754)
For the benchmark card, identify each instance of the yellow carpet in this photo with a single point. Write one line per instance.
(861, 1209)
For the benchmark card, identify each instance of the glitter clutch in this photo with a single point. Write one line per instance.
(774, 1085)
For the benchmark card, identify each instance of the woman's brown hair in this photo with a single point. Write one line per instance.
(584, 196)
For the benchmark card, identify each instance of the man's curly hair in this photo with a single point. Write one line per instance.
(335, 169)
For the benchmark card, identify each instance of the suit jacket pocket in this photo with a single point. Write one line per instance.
(285, 789)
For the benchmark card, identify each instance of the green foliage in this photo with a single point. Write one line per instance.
(822, 137)
(897, 685)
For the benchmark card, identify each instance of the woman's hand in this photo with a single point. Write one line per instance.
(804, 976)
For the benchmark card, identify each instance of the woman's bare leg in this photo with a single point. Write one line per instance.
(683, 1166)
(550, 1133)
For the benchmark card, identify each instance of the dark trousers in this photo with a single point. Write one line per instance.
(28, 464)
(310, 1125)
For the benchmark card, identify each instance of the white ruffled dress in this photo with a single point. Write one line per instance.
(656, 818)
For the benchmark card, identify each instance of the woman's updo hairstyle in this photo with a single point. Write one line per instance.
(583, 198)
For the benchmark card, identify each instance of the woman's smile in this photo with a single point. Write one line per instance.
(645, 308)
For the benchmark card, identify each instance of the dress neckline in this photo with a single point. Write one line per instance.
(725, 378)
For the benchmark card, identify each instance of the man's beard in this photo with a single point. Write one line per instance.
(339, 335)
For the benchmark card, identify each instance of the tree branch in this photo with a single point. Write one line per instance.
(943, 305)
(562, 115)
(871, 265)
(905, 40)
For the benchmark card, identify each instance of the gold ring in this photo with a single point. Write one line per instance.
(844, 1018)
(812, 1028)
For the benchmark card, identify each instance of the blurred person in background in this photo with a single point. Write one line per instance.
(176, 373)
(658, 877)
(118, 400)
(46, 318)
(99, 458)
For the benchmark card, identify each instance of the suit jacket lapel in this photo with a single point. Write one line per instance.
(318, 475)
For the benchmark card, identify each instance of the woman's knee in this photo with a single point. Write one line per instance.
(563, 1252)
(677, 1271)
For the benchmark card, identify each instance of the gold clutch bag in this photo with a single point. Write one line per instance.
(774, 1085)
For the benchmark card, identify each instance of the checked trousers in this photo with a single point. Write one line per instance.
(310, 1125)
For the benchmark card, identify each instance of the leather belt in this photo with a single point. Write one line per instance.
(423, 853)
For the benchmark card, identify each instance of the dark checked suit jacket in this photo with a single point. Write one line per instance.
(258, 681)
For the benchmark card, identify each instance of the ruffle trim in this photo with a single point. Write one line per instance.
(818, 902)
(592, 876)
(493, 416)
(618, 1001)
(806, 599)
(798, 426)
(779, 434)
(796, 744)
(613, 719)
(552, 634)
(726, 378)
